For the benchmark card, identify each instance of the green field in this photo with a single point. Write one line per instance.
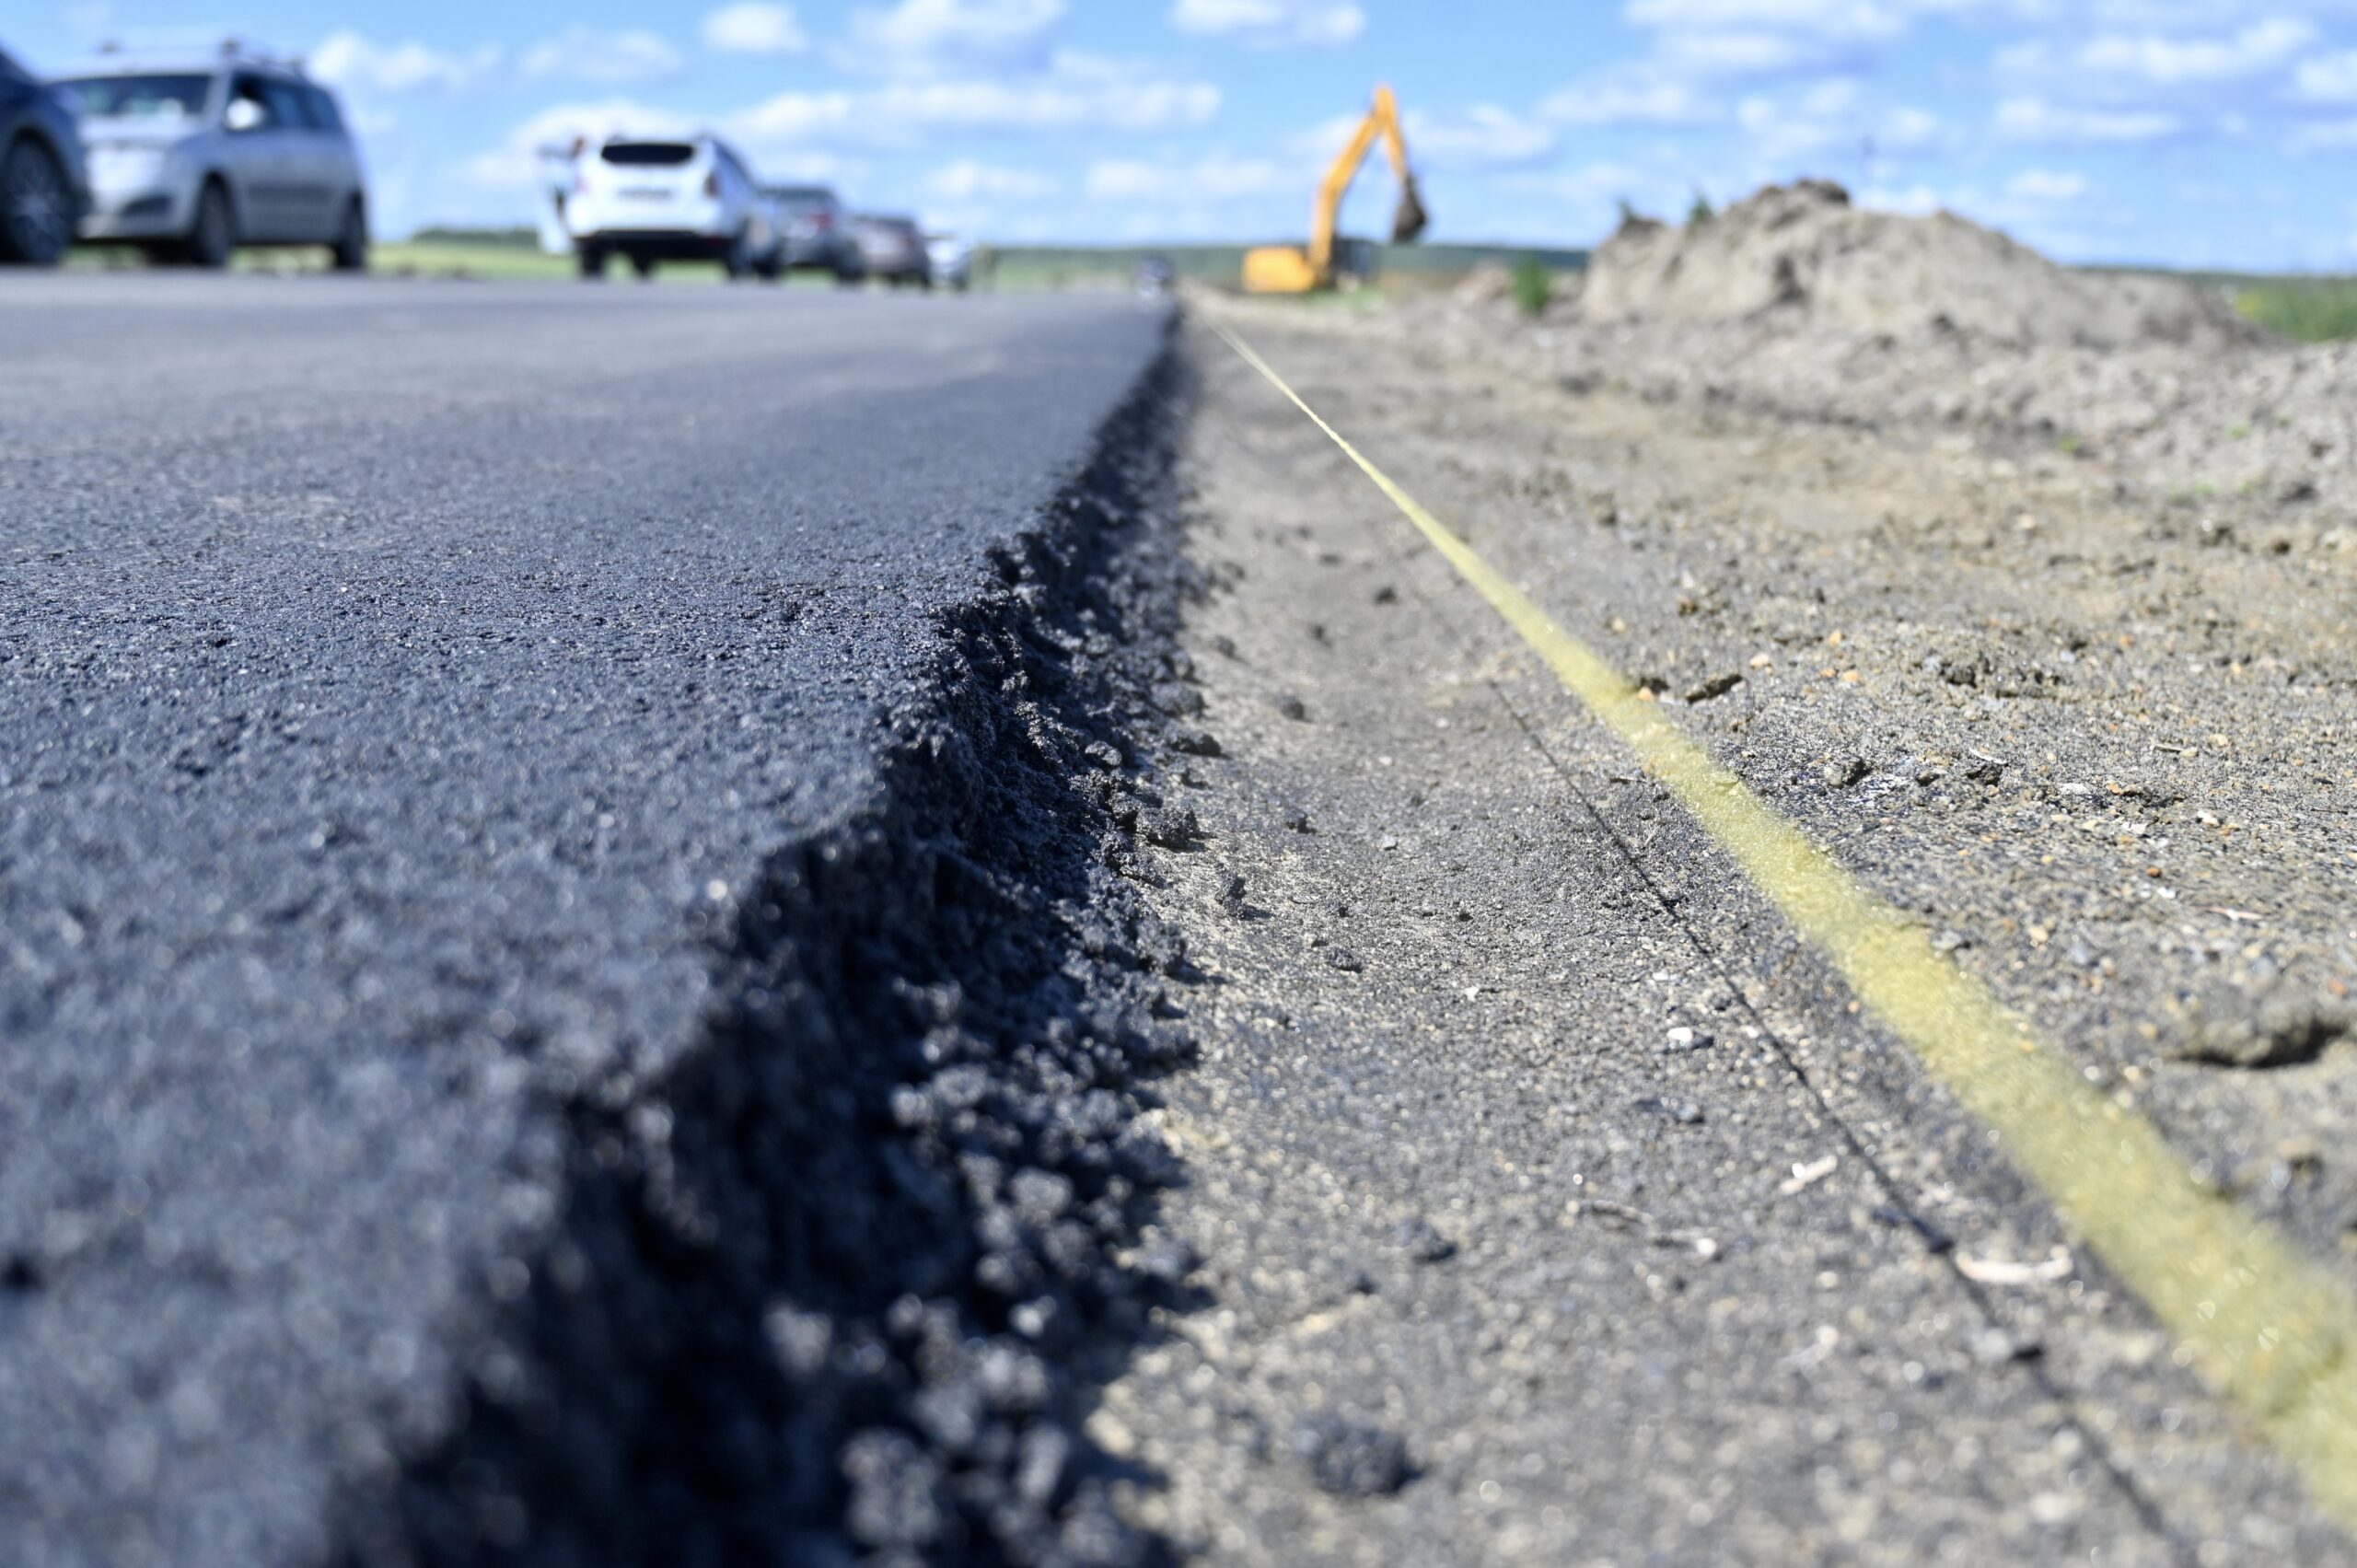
(2307, 309)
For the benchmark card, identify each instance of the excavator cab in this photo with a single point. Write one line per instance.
(1288, 269)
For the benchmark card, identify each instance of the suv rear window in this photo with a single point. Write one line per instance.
(648, 153)
(137, 98)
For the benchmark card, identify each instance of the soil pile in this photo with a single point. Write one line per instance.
(1796, 305)
(1804, 251)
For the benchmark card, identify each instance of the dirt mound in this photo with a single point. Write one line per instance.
(1803, 252)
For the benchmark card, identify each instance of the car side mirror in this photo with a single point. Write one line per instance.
(244, 114)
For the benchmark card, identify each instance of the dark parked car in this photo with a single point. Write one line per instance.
(818, 232)
(44, 182)
(893, 249)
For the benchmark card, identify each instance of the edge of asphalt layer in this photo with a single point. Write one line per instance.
(841, 1283)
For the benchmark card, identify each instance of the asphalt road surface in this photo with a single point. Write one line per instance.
(393, 679)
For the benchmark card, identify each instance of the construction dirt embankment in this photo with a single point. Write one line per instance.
(1796, 304)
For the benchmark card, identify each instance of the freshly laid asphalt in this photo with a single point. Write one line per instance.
(393, 678)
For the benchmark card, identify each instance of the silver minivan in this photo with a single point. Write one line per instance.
(192, 156)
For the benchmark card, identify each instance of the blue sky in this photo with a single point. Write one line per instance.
(2214, 134)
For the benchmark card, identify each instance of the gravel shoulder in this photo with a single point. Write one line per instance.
(1472, 998)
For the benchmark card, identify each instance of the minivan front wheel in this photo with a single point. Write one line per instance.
(213, 235)
(352, 240)
(35, 211)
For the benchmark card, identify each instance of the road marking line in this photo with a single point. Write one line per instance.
(2267, 1327)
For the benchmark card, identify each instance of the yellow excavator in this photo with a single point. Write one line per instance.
(1288, 269)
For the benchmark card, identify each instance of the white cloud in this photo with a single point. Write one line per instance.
(1052, 106)
(1826, 19)
(1076, 93)
(2262, 47)
(1709, 55)
(2334, 136)
(2036, 120)
(586, 54)
(349, 59)
(1483, 136)
(1636, 98)
(1214, 178)
(939, 37)
(2117, 64)
(753, 27)
(2048, 185)
(966, 180)
(1269, 24)
(2327, 78)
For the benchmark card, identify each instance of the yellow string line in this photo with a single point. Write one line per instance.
(2265, 1324)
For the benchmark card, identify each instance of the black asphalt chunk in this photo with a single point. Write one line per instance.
(563, 1003)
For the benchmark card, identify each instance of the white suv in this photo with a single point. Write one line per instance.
(192, 158)
(670, 201)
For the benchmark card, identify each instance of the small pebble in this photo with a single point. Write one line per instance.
(1422, 1240)
(1348, 1459)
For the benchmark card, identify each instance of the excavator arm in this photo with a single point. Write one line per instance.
(1383, 120)
(1283, 269)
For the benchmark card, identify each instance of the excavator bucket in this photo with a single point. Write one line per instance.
(1409, 218)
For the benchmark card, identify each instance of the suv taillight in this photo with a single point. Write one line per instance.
(822, 221)
(712, 183)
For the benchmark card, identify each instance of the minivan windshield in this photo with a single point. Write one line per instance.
(136, 98)
(645, 153)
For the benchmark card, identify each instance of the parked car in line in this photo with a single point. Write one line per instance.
(893, 249)
(818, 232)
(674, 200)
(44, 185)
(194, 155)
(951, 261)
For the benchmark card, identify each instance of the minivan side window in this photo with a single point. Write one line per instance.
(323, 111)
(287, 109)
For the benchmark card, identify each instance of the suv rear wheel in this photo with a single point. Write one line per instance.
(213, 235)
(36, 210)
(738, 260)
(352, 240)
(592, 263)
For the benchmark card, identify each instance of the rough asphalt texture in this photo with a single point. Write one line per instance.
(513, 805)
(1720, 1277)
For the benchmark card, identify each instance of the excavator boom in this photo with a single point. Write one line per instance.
(1282, 268)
